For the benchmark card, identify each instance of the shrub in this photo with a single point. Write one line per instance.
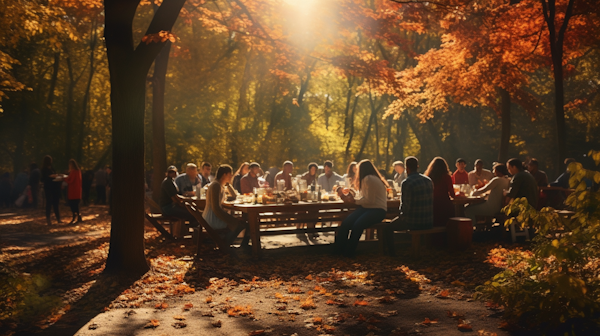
(558, 284)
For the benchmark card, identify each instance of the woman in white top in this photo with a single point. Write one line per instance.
(371, 208)
(495, 201)
(214, 214)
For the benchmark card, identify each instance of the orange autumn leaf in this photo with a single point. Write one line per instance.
(309, 303)
(188, 306)
(361, 318)
(360, 303)
(465, 327)
(161, 306)
(179, 317)
(428, 322)
(444, 294)
(256, 332)
(152, 324)
(208, 299)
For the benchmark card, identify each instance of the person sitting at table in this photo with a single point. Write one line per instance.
(416, 205)
(556, 198)
(540, 176)
(285, 175)
(329, 178)
(188, 180)
(237, 177)
(214, 214)
(371, 208)
(522, 184)
(495, 201)
(399, 172)
(351, 174)
(443, 191)
(460, 176)
(169, 205)
(250, 180)
(311, 175)
(479, 177)
(205, 175)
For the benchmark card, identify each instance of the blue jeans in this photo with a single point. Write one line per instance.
(175, 210)
(355, 224)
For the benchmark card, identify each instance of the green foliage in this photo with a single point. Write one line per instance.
(22, 299)
(559, 282)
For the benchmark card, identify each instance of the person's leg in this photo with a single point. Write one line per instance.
(368, 218)
(341, 237)
(55, 204)
(233, 234)
(73, 210)
(49, 197)
(388, 234)
(78, 211)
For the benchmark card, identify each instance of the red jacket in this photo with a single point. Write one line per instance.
(74, 181)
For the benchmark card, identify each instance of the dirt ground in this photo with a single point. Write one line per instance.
(296, 288)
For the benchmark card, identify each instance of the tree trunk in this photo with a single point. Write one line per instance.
(348, 102)
(556, 49)
(242, 106)
(86, 96)
(128, 68)
(505, 137)
(351, 128)
(401, 132)
(159, 146)
(69, 118)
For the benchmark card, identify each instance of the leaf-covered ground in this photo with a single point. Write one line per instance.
(298, 290)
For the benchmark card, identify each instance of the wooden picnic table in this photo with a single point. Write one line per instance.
(459, 204)
(302, 212)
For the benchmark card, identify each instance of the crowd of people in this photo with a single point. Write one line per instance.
(43, 184)
(426, 198)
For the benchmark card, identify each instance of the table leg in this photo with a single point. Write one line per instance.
(253, 225)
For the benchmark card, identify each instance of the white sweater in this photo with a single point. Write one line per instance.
(373, 193)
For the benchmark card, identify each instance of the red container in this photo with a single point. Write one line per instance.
(460, 233)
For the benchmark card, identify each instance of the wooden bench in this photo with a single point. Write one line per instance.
(414, 234)
(204, 227)
(156, 218)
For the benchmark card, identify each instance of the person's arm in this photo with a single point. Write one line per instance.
(472, 179)
(214, 192)
(515, 187)
(406, 199)
(489, 186)
(364, 191)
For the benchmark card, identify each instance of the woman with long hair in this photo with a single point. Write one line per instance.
(443, 191)
(74, 190)
(371, 208)
(351, 174)
(216, 216)
(51, 188)
(237, 177)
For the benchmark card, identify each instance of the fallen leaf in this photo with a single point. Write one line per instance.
(179, 317)
(216, 324)
(428, 322)
(152, 324)
(179, 325)
(465, 327)
(188, 306)
(161, 306)
(256, 332)
(360, 303)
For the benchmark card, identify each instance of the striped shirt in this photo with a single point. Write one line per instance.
(417, 202)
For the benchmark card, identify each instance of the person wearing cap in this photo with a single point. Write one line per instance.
(286, 174)
(329, 178)
(479, 176)
(460, 176)
(250, 180)
(311, 175)
(169, 191)
(399, 172)
(186, 182)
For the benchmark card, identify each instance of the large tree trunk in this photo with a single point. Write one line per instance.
(505, 115)
(128, 67)
(159, 146)
(235, 142)
(69, 118)
(351, 128)
(556, 49)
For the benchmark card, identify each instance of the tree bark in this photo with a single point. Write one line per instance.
(235, 142)
(128, 68)
(351, 128)
(556, 50)
(505, 117)
(159, 146)
(86, 96)
(69, 118)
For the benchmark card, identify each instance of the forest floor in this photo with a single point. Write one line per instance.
(294, 289)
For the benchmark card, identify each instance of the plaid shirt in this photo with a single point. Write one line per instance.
(417, 202)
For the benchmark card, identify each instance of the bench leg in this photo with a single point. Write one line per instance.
(379, 237)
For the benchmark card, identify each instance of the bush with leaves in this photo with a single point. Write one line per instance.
(557, 286)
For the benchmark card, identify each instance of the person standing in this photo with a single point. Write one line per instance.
(372, 207)
(101, 181)
(51, 189)
(74, 190)
(416, 206)
(329, 178)
(443, 191)
(34, 183)
(460, 176)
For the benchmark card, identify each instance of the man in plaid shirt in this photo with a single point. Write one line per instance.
(416, 208)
